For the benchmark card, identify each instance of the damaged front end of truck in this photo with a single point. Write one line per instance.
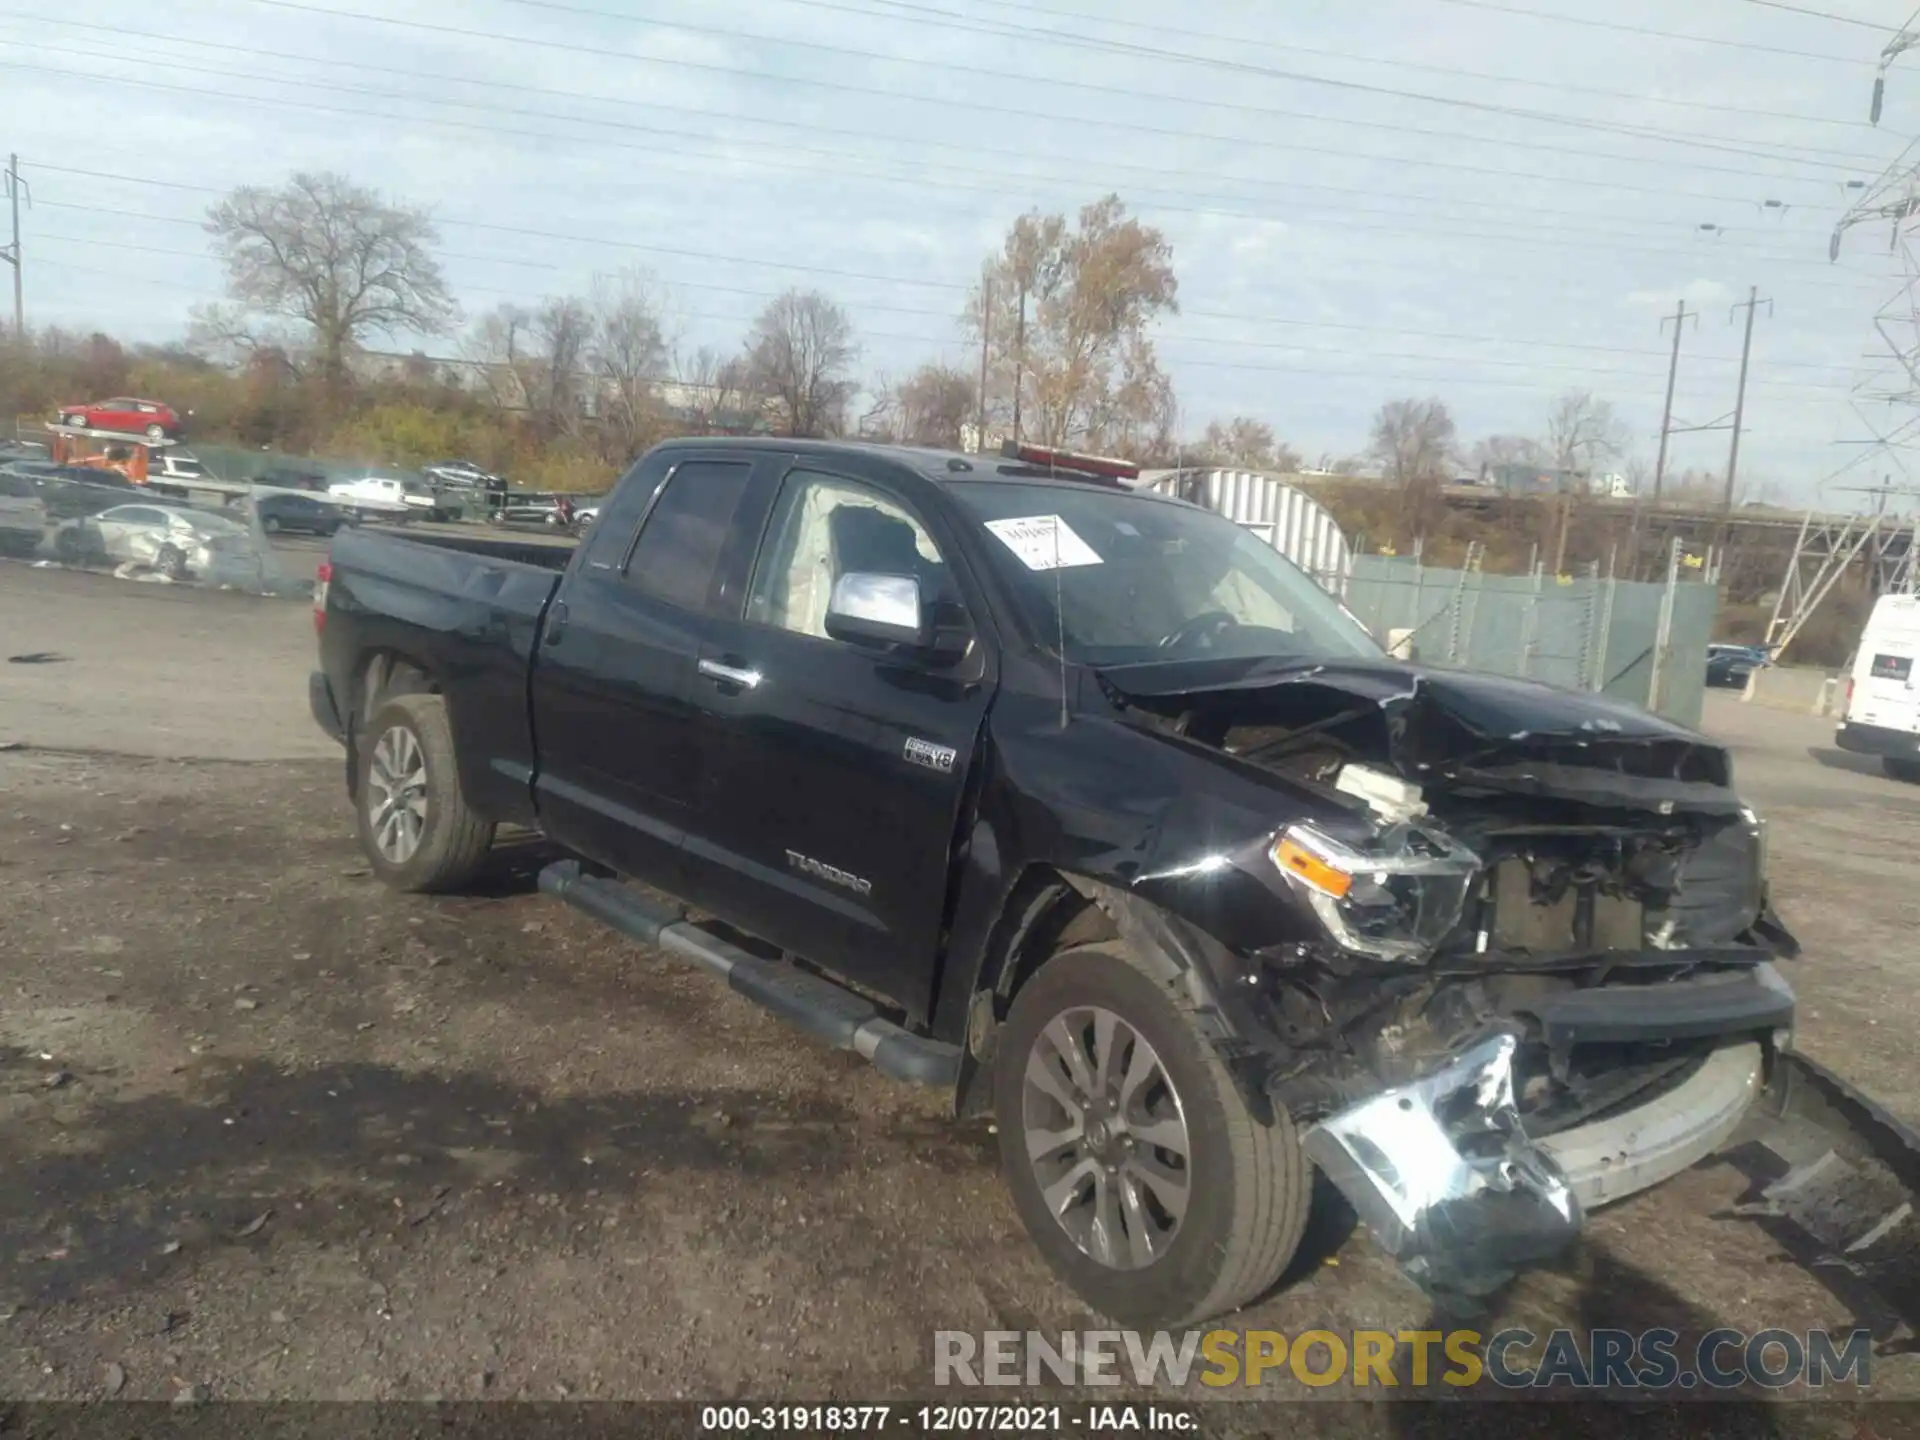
(1513, 959)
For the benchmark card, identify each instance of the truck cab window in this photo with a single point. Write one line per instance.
(680, 542)
(824, 527)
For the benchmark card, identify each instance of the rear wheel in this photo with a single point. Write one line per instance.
(270, 525)
(156, 432)
(171, 562)
(415, 825)
(1902, 768)
(1135, 1163)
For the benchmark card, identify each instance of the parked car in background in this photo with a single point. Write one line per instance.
(177, 542)
(168, 466)
(73, 490)
(125, 416)
(286, 477)
(1728, 666)
(304, 514)
(393, 494)
(23, 515)
(528, 510)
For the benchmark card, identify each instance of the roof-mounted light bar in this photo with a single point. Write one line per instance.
(1048, 457)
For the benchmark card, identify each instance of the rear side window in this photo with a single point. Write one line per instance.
(681, 541)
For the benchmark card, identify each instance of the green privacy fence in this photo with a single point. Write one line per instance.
(1645, 642)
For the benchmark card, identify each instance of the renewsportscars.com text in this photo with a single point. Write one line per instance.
(1515, 1359)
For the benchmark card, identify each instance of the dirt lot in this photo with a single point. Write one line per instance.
(270, 1129)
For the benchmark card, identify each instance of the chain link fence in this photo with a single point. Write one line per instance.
(1637, 641)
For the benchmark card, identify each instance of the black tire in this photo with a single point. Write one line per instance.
(171, 562)
(1249, 1183)
(156, 432)
(1901, 768)
(454, 841)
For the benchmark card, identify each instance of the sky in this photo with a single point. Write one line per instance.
(1486, 201)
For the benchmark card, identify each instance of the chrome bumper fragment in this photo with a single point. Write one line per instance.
(1444, 1175)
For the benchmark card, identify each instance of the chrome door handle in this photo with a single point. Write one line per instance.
(729, 674)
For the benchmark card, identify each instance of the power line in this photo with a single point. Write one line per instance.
(1157, 54)
(1132, 95)
(1557, 242)
(1396, 63)
(1823, 15)
(1659, 34)
(1584, 216)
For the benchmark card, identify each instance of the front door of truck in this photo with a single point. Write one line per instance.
(834, 773)
(614, 729)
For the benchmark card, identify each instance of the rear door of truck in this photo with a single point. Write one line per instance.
(1887, 669)
(618, 762)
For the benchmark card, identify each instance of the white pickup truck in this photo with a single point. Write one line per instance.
(386, 494)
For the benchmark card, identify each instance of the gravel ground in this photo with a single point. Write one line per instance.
(270, 1129)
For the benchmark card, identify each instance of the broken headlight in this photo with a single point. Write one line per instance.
(1394, 896)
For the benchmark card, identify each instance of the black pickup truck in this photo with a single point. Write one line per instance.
(1085, 803)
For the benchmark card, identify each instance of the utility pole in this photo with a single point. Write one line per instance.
(986, 335)
(13, 256)
(1679, 318)
(1752, 303)
(1019, 360)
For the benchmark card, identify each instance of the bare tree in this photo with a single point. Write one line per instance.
(711, 387)
(1507, 450)
(1583, 431)
(1413, 440)
(801, 354)
(500, 343)
(629, 358)
(1066, 311)
(332, 258)
(935, 403)
(563, 331)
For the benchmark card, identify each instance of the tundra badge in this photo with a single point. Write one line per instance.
(807, 865)
(932, 757)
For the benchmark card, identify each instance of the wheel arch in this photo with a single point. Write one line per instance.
(1049, 910)
(378, 676)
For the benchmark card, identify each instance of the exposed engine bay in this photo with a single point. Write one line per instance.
(1537, 975)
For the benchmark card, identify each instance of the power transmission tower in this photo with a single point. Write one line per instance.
(16, 186)
(1679, 319)
(1751, 304)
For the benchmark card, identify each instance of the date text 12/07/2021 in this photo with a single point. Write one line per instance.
(1102, 1419)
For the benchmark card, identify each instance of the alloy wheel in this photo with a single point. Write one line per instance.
(1106, 1135)
(397, 794)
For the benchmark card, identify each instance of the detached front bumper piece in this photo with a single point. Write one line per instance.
(1443, 1173)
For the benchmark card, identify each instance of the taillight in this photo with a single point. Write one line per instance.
(321, 578)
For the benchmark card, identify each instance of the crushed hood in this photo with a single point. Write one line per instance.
(1453, 728)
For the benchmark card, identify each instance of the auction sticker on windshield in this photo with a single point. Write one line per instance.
(1044, 542)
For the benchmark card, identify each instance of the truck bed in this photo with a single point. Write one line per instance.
(541, 555)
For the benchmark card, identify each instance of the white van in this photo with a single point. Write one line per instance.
(1882, 711)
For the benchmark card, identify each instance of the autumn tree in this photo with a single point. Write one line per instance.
(932, 406)
(1244, 443)
(1066, 310)
(1507, 450)
(801, 355)
(323, 265)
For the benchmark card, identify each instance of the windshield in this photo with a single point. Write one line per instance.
(1139, 579)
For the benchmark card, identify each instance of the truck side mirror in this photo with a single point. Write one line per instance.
(873, 609)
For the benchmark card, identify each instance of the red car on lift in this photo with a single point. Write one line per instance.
(125, 416)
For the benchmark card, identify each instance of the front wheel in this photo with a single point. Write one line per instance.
(1900, 767)
(156, 432)
(1139, 1171)
(270, 525)
(414, 822)
(171, 562)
